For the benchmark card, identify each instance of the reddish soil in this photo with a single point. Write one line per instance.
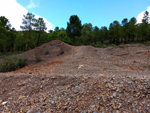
(79, 79)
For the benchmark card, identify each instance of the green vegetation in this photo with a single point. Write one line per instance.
(74, 28)
(10, 64)
(104, 46)
(33, 33)
(111, 54)
(46, 52)
(37, 56)
(8, 54)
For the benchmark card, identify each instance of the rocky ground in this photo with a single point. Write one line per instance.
(80, 79)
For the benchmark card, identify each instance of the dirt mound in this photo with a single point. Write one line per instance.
(65, 59)
(55, 48)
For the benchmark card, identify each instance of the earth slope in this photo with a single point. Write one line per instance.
(79, 79)
(67, 58)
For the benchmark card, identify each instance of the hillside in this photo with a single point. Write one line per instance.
(79, 79)
(94, 60)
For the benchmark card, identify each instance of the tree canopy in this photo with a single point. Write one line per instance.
(74, 27)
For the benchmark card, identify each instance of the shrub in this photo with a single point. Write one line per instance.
(10, 64)
(8, 54)
(112, 45)
(147, 43)
(121, 44)
(47, 52)
(37, 56)
(22, 62)
(111, 54)
(106, 42)
(98, 45)
(92, 44)
(104, 46)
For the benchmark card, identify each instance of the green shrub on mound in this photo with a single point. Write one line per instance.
(10, 64)
(46, 52)
(37, 56)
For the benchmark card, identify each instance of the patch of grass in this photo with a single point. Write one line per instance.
(92, 44)
(22, 62)
(98, 45)
(111, 54)
(46, 52)
(8, 54)
(104, 46)
(106, 42)
(147, 43)
(11, 64)
(37, 56)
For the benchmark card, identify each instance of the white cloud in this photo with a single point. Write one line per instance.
(32, 5)
(49, 26)
(141, 15)
(14, 12)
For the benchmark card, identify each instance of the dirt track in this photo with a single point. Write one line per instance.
(77, 79)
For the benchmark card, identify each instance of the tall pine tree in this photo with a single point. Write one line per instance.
(74, 27)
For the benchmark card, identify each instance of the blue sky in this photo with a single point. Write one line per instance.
(98, 12)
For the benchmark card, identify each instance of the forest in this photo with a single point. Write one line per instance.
(34, 33)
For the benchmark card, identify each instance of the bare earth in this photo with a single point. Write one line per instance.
(80, 79)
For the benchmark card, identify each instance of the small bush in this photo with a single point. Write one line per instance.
(113, 45)
(98, 45)
(106, 42)
(10, 64)
(121, 44)
(92, 44)
(104, 46)
(22, 62)
(8, 54)
(37, 56)
(111, 54)
(47, 52)
(147, 43)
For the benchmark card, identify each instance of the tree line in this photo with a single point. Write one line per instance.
(33, 33)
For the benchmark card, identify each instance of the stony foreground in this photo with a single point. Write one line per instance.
(99, 93)
(79, 79)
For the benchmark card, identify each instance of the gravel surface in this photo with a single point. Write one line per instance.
(80, 79)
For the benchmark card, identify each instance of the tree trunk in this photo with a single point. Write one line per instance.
(28, 39)
(121, 39)
(38, 39)
(146, 36)
(84, 40)
(133, 38)
(125, 39)
(128, 39)
(137, 38)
